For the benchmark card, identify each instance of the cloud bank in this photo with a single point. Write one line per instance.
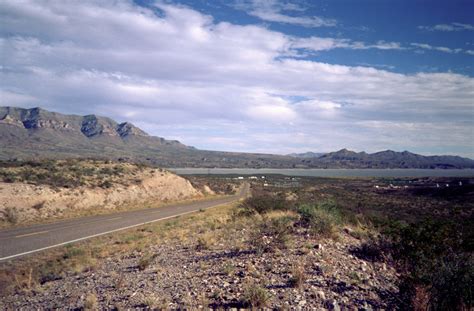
(179, 74)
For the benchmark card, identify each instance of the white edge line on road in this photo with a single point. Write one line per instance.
(103, 233)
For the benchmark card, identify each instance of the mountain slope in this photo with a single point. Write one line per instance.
(306, 155)
(393, 159)
(37, 133)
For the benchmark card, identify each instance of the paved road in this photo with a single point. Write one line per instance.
(18, 242)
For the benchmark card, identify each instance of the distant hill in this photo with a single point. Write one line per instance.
(36, 133)
(389, 159)
(306, 155)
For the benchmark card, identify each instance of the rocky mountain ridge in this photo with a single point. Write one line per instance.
(37, 133)
(89, 125)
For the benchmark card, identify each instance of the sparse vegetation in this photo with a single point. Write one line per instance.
(322, 219)
(286, 245)
(204, 242)
(262, 204)
(11, 215)
(69, 173)
(272, 233)
(145, 261)
(298, 276)
(38, 206)
(437, 263)
(91, 302)
(255, 296)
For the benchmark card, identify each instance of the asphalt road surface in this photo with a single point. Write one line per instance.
(16, 242)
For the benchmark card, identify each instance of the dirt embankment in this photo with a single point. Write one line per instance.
(26, 203)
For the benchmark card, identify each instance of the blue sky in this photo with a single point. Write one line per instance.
(252, 75)
(404, 22)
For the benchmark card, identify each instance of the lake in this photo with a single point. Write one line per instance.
(328, 172)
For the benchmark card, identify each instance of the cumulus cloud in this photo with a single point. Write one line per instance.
(448, 27)
(279, 12)
(179, 74)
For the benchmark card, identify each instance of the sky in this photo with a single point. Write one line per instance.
(252, 75)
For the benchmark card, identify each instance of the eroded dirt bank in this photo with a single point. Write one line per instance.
(25, 203)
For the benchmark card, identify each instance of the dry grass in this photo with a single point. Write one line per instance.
(91, 302)
(255, 296)
(298, 276)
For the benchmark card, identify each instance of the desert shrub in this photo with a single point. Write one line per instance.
(91, 302)
(262, 204)
(50, 271)
(11, 215)
(204, 242)
(38, 206)
(298, 276)
(228, 269)
(72, 252)
(117, 170)
(255, 296)
(106, 184)
(438, 268)
(272, 234)
(106, 171)
(322, 219)
(145, 261)
(8, 177)
(376, 249)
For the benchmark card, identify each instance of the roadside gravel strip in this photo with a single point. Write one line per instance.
(16, 242)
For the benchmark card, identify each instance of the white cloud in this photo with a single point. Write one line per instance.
(182, 75)
(325, 44)
(440, 48)
(448, 27)
(274, 11)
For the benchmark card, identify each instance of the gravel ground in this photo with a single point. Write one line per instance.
(174, 275)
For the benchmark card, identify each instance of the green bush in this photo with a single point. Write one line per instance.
(435, 261)
(322, 219)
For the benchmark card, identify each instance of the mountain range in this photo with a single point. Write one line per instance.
(37, 133)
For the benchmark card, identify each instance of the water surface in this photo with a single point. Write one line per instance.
(329, 172)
